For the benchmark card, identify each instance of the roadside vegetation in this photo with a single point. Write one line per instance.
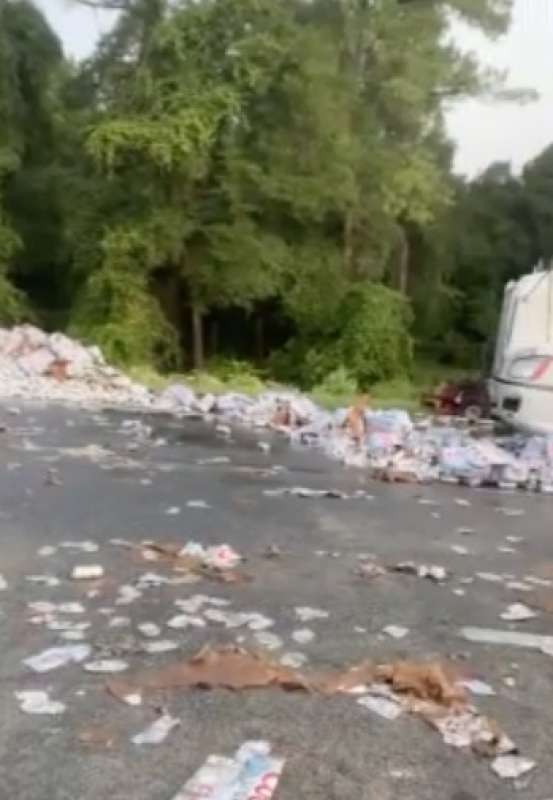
(253, 192)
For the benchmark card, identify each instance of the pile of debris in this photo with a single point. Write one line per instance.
(35, 365)
(389, 444)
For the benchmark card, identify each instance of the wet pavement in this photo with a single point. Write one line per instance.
(122, 488)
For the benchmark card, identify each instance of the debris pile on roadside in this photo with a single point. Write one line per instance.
(389, 444)
(35, 365)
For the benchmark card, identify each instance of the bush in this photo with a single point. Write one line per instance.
(338, 388)
(368, 337)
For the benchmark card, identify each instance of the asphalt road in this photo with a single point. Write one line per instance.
(334, 749)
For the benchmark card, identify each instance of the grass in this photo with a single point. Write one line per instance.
(337, 391)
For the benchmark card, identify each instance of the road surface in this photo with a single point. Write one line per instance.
(334, 749)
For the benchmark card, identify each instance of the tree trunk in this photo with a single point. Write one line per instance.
(403, 262)
(197, 337)
(259, 338)
(348, 243)
(213, 338)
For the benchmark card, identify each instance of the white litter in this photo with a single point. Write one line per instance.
(181, 621)
(71, 607)
(149, 629)
(3, 584)
(173, 511)
(252, 774)
(303, 636)
(127, 595)
(269, 641)
(87, 572)
(518, 586)
(478, 688)
(160, 646)
(56, 657)
(46, 551)
(462, 501)
(518, 612)
(84, 547)
(395, 631)
(459, 549)
(132, 699)
(293, 660)
(197, 504)
(532, 641)
(308, 614)
(73, 635)
(512, 766)
(382, 705)
(37, 702)
(511, 512)
(46, 580)
(158, 731)
(492, 577)
(106, 665)
(119, 622)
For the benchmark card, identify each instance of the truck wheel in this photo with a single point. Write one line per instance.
(473, 413)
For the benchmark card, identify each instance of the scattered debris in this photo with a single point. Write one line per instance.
(433, 572)
(149, 629)
(272, 551)
(370, 570)
(38, 702)
(97, 736)
(160, 646)
(197, 504)
(293, 660)
(512, 766)
(395, 631)
(87, 572)
(84, 547)
(52, 478)
(56, 657)
(532, 641)
(47, 550)
(173, 511)
(158, 731)
(510, 512)
(303, 636)
(3, 584)
(106, 665)
(45, 580)
(518, 612)
(269, 641)
(478, 687)
(381, 701)
(462, 531)
(127, 595)
(252, 774)
(308, 614)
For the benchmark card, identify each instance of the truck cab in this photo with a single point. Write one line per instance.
(521, 381)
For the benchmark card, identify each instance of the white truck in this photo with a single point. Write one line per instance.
(521, 381)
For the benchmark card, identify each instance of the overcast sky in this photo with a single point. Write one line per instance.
(484, 132)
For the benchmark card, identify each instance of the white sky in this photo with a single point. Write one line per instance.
(484, 131)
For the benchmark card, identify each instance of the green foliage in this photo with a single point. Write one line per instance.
(284, 162)
(336, 389)
(368, 336)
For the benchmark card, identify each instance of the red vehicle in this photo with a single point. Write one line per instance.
(468, 399)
